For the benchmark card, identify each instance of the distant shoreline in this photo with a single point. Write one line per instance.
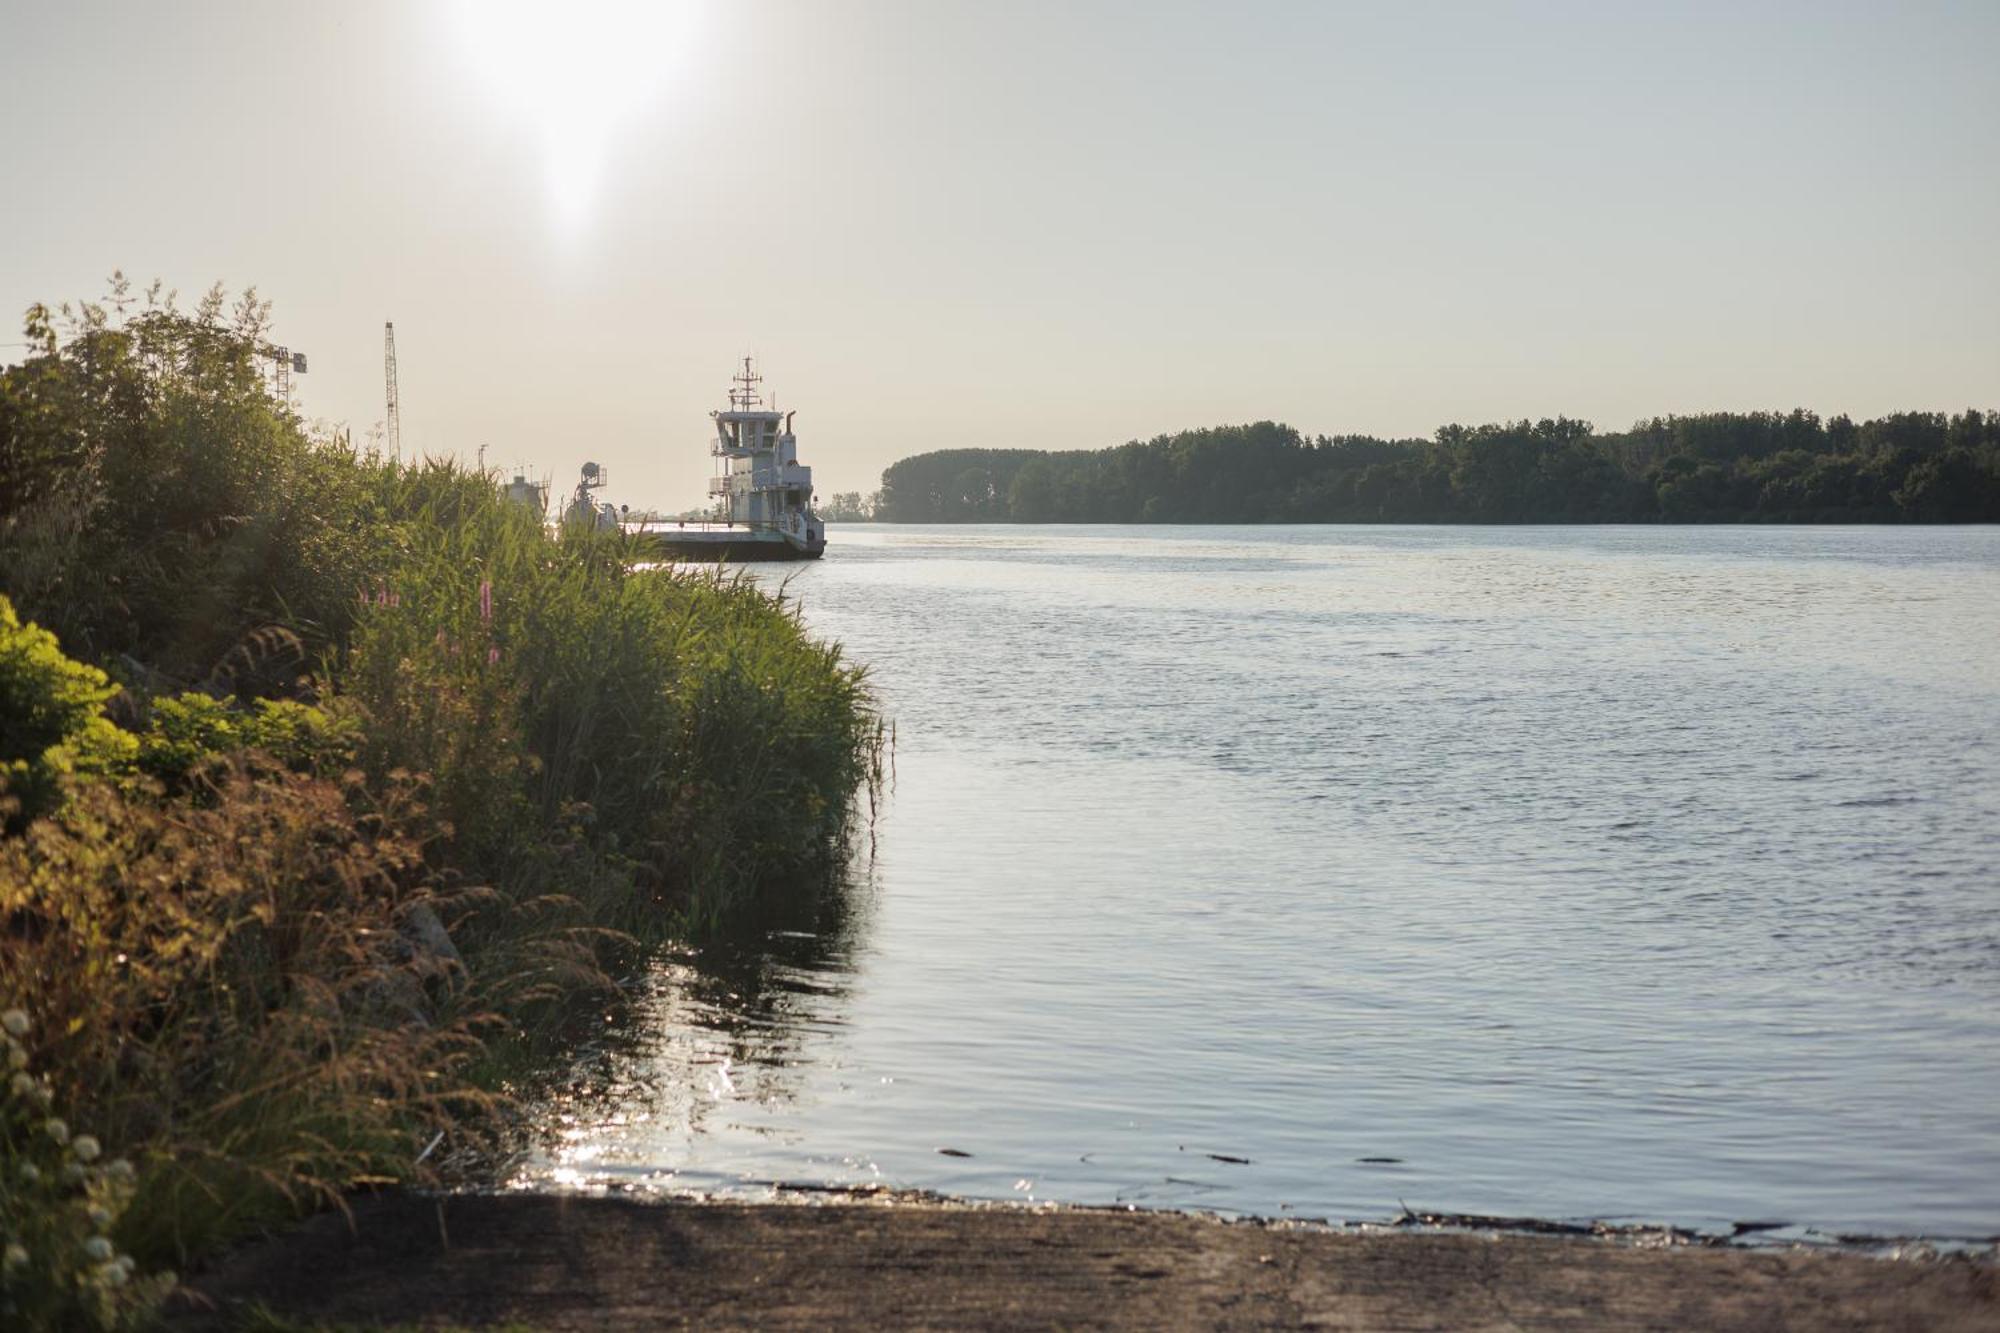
(1782, 467)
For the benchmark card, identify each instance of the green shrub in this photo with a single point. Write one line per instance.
(60, 1203)
(236, 993)
(188, 730)
(159, 504)
(293, 942)
(52, 720)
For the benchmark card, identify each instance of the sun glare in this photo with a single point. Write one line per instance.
(573, 73)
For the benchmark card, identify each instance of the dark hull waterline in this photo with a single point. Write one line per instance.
(736, 550)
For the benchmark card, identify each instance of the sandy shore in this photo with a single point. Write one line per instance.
(554, 1262)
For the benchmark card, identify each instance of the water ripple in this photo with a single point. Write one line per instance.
(1639, 873)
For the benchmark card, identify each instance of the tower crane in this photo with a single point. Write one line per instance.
(394, 422)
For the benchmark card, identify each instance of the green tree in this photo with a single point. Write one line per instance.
(162, 504)
(1956, 486)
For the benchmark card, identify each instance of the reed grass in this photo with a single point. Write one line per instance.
(396, 778)
(683, 723)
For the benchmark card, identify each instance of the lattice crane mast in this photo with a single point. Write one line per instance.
(394, 423)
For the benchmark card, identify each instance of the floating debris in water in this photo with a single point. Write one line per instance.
(954, 1152)
(1218, 1156)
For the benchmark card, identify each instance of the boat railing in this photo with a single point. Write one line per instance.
(666, 526)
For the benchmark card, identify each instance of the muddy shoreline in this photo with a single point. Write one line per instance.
(565, 1262)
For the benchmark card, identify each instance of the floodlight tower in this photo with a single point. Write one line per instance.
(394, 422)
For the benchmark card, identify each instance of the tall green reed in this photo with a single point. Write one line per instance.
(683, 722)
(217, 930)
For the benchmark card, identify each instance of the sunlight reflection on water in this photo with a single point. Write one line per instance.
(1641, 874)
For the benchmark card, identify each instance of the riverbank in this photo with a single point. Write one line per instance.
(557, 1263)
(335, 791)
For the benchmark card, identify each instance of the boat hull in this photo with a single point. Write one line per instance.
(736, 548)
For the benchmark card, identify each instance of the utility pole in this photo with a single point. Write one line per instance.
(395, 419)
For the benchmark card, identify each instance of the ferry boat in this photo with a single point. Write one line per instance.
(762, 496)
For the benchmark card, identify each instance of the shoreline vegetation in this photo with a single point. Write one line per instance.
(334, 794)
(1718, 467)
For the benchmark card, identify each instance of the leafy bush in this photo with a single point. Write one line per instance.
(276, 946)
(60, 1204)
(237, 990)
(189, 730)
(160, 506)
(52, 722)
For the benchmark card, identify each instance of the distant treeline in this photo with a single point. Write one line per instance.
(1910, 467)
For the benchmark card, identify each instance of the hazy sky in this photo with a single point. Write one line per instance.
(1027, 224)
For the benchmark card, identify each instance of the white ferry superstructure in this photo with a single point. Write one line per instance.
(761, 496)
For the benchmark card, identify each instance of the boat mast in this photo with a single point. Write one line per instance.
(744, 397)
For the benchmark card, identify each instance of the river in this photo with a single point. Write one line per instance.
(1634, 874)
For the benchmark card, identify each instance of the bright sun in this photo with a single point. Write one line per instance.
(574, 71)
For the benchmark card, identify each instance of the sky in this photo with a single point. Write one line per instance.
(1040, 225)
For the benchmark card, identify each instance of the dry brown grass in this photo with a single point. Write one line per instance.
(232, 991)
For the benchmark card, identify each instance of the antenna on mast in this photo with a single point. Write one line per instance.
(395, 418)
(744, 396)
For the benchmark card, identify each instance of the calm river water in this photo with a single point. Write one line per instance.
(1648, 874)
